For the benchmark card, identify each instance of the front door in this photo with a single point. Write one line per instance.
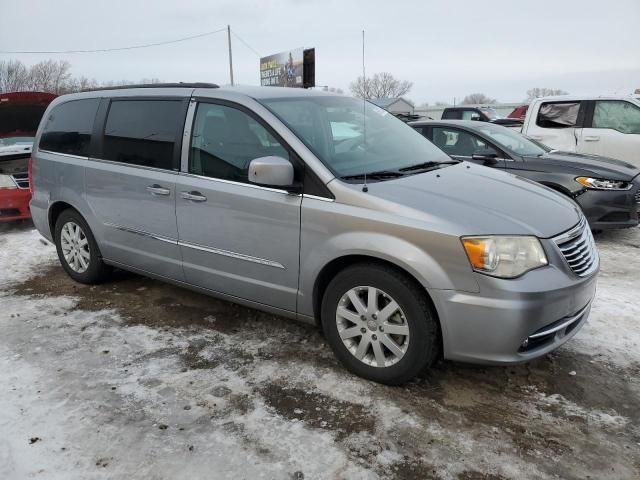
(237, 238)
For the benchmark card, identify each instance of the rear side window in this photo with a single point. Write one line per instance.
(68, 127)
(617, 115)
(143, 132)
(558, 115)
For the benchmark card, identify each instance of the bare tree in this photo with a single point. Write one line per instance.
(381, 85)
(81, 84)
(538, 92)
(14, 76)
(477, 98)
(50, 76)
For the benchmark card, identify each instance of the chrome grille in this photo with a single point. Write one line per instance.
(22, 179)
(579, 249)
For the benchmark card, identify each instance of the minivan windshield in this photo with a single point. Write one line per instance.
(511, 140)
(353, 138)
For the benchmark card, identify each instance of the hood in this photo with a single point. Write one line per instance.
(20, 113)
(482, 201)
(13, 150)
(592, 165)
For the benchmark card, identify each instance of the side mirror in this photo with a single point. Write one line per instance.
(271, 172)
(488, 156)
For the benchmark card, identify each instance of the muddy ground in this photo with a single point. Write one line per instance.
(201, 388)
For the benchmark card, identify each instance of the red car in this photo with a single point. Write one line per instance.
(20, 114)
(519, 113)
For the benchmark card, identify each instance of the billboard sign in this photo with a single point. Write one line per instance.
(284, 69)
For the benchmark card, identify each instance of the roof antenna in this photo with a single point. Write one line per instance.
(365, 188)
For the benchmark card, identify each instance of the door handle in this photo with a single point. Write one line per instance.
(193, 196)
(591, 138)
(156, 189)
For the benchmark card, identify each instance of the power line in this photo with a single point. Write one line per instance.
(245, 43)
(131, 47)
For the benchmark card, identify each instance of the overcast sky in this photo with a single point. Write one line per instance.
(446, 48)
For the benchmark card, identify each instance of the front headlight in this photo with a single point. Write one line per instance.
(6, 181)
(601, 184)
(503, 256)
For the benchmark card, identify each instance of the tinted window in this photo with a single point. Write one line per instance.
(451, 115)
(225, 140)
(143, 132)
(68, 128)
(617, 115)
(457, 142)
(558, 115)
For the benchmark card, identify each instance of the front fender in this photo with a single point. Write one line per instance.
(440, 267)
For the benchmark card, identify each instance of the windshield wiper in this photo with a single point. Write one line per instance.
(426, 165)
(375, 175)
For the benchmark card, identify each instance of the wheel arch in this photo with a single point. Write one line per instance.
(340, 263)
(54, 212)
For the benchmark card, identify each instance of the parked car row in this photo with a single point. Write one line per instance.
(322, 208)
(607, 126)
(607, 190)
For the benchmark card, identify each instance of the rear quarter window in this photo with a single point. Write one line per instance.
(68, 127)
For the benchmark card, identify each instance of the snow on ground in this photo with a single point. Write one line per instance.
(97, 393)
(22, 255)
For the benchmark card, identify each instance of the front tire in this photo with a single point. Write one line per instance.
(77, 249)
(380, 323)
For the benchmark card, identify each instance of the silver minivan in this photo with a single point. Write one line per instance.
(318, 207)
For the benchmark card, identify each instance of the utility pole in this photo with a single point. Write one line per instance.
(230, 55)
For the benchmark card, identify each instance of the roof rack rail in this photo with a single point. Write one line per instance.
(157, 85)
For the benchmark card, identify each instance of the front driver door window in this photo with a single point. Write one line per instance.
(457, 143)
(235, 237)
(225, 140)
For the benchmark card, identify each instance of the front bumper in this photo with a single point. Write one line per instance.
(514, 321)
(611, 210)
(14, 204)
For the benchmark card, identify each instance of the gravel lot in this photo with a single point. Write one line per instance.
(141, 380)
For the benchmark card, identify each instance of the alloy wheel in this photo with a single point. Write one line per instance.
(75, 247)
(372, 326)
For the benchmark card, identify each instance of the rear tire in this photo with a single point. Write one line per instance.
(77, 249)
(380, 323)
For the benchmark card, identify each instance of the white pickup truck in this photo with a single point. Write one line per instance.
(607, 126)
